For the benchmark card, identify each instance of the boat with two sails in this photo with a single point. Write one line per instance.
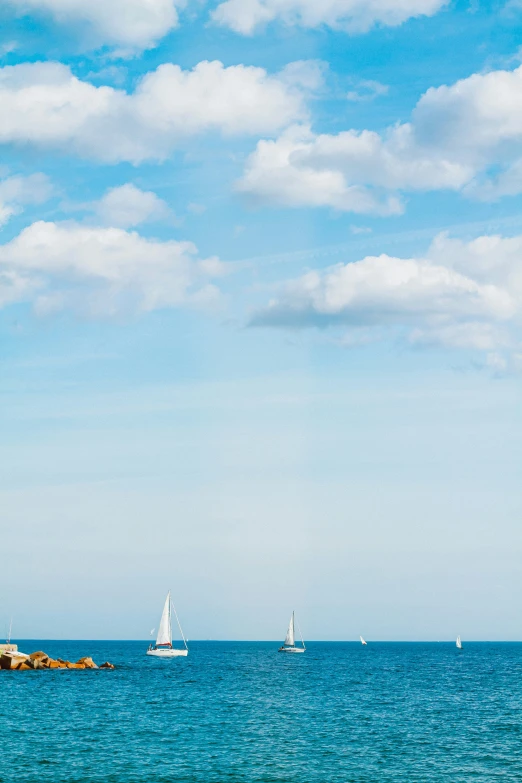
(289, 645)
(163, 647)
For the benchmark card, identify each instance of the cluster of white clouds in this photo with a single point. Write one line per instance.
(354, 16)
(129, 24)
(106, 271)
(461, 294)
(46, 105)
(465, 137)
(135, 25)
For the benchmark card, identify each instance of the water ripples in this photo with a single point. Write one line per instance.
(242, 713)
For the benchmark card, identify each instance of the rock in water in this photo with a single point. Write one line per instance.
(88, 663)
(11, 659)
(40, 660)
(8, 661)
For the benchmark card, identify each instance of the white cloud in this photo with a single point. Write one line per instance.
(461, 294)
(46, 105)
(127, 206)
(277, 173)
(16, 192)
(473, 117)
(103, 271)
(466, 137)
(354, 16)
(367, 90)
(132, 24)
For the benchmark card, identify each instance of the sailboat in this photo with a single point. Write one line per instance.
(163, 647)
(288, 645)
(459, 643)
(362, 641)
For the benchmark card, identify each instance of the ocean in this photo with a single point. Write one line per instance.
(239, 712)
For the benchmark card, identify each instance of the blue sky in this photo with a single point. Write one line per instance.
(260, 303)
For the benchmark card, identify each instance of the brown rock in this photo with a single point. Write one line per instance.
(5, 661)
(42, 658)
(88, 663)
(107, 665)
(12, 660)
(23, 666)
(8, 661)
(57, 665)
(40, 663)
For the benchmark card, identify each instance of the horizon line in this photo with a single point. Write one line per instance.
(278, 641)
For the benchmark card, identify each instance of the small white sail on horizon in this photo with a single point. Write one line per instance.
(289, 645)
(459, 643)
(163, 647)
(362, 641)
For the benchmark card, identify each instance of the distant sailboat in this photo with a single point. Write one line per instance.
(163, 647)
(459, 643)
(288, 645)
(362, 640)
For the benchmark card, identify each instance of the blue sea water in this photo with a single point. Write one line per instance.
(240, 712)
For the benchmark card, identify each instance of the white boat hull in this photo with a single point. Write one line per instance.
(291, 649)
(168, 653)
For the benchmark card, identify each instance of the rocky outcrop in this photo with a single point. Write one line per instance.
(39, 660)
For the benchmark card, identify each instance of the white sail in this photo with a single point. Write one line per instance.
(164, 631)
(362, 640)
(289, 641)
(459, 643)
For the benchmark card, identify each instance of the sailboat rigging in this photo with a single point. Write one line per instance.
(362, 641)
(289, 645)
(163, 647)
